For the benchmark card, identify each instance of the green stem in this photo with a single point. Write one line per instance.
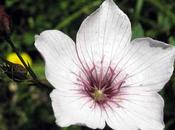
(75, 15)
(28, 68)
(138, 8)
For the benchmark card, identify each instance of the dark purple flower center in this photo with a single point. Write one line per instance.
(101, 84)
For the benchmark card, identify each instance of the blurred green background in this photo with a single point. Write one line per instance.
(27, 107)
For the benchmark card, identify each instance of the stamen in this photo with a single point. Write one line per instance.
(101, 84)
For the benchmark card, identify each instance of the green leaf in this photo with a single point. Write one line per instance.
(10, 3)
(164, 22)
(28, 38)
(171, 40)
(137, 31)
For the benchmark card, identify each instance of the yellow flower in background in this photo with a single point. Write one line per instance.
(12, 57)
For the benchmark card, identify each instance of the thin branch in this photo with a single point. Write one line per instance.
(27, 67)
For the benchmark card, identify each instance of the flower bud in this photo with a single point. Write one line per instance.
(14, 71)
(4, 22)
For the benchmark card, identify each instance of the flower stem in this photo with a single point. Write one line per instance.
(73, 16)
(138, 8)
(27, 67)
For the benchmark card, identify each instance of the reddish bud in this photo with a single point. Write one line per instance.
(4, 22)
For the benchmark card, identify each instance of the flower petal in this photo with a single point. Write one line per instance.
(143, 110)
(71, 109)
(59, 53)
(149, 66)
(103, 34)
(118, 120)
(137, 112)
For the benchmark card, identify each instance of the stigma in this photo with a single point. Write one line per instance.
(98, 95)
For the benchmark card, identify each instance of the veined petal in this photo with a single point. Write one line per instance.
(145, 111)
(59, 53)
(118, 120)
(71, 109)
(149, 66)
(103, 34)
(142, 111)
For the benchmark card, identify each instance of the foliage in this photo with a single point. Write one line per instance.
(27, 107)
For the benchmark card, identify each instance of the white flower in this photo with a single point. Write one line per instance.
(105, 78)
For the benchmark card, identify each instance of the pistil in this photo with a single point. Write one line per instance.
(98, 95)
